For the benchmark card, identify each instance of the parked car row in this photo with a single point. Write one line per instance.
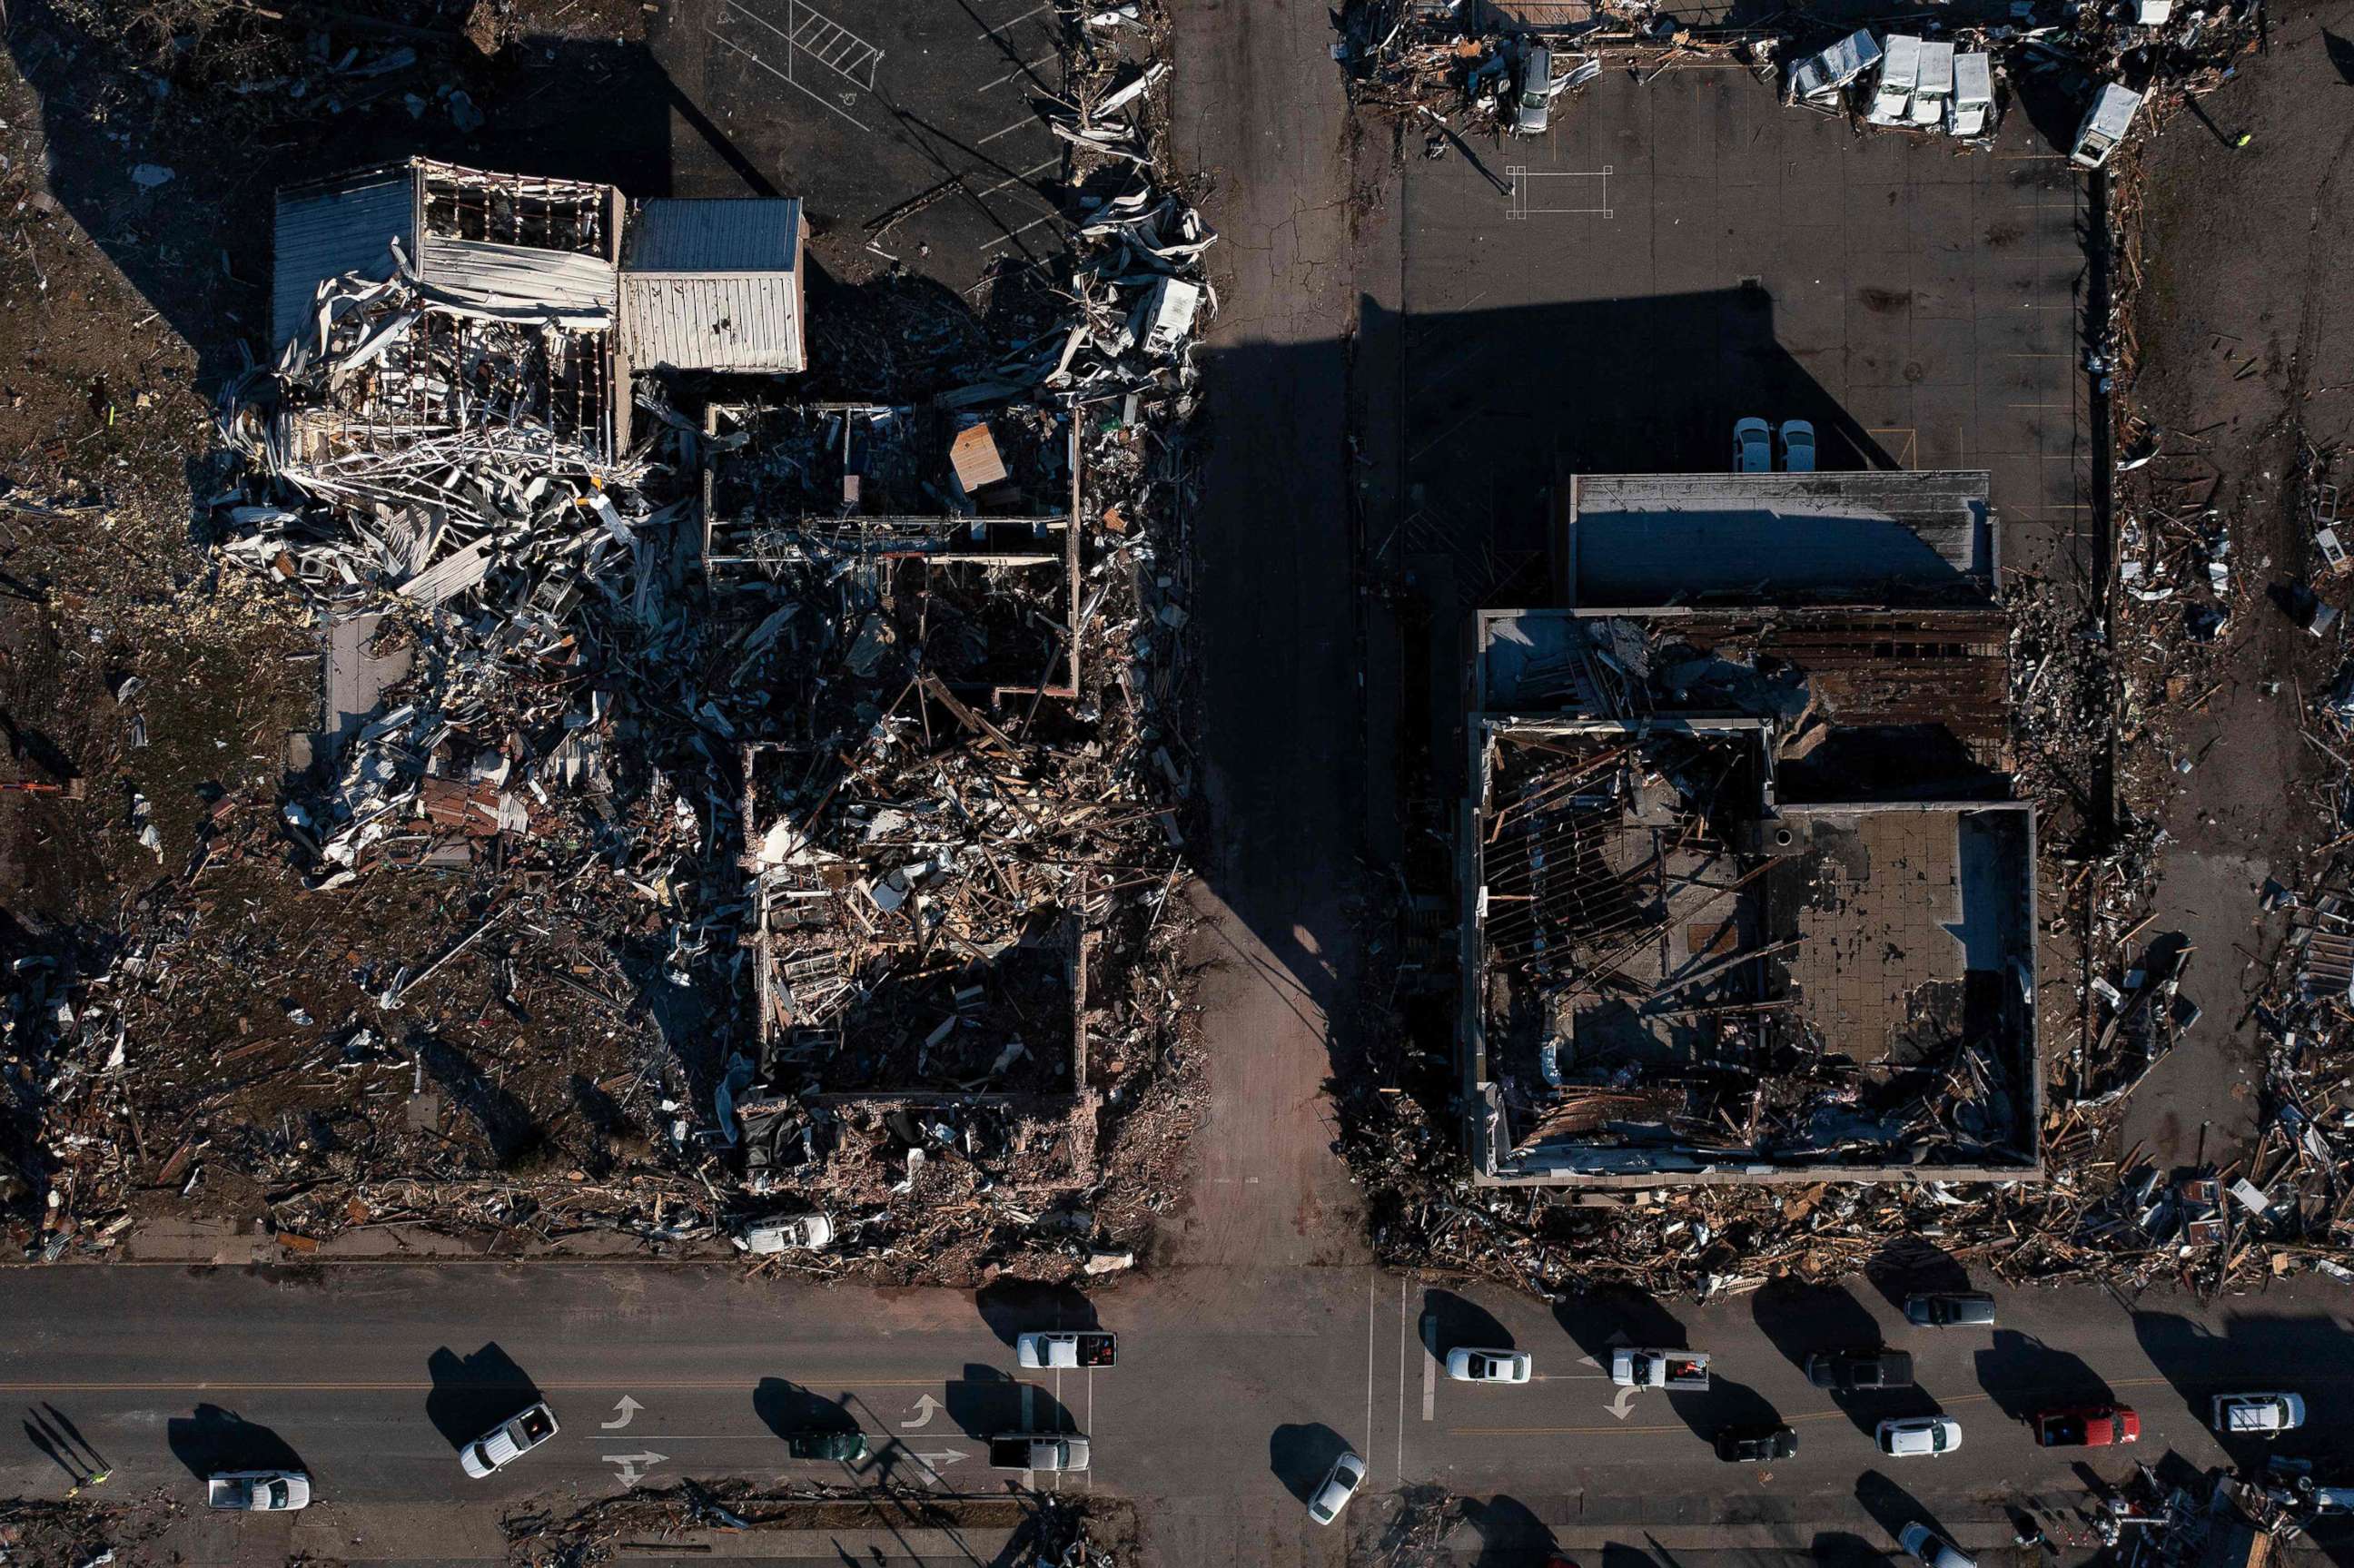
(1758, 448)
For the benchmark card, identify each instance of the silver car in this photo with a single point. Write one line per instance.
(1918, 1437)
(1533, 92)
(1932, 1549)
(1753, 446)
(1341, 1484)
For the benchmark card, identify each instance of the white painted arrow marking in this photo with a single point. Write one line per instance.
(633, 1466)
(926, 1408)
(624, 1409)
(943, 1459)
(1622, 1405)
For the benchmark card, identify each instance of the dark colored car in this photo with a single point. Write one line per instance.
(1950, 1310)
(1756, 1444)
(833, 1443)
(1846, 1371)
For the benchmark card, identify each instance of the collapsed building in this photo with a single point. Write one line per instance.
(1745, 896)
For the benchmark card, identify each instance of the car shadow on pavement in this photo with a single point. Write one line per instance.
(470, 1395)
(1599, 1321)
(1891, 1506)
(1300, 1453)
(213, 1440)
(1727, 1403)
(1837, 1549)
(1908, 1265)
(986, 1402)
(2024, 1375)
(786, 1408)
(1450, 1322)
(1013, 1307)
(1801, 1320)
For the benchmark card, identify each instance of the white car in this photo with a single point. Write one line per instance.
(508, 1441)
(259, 1491)
(1797, 447)
(1912, 1436)
(1753, 446)
(1488, 1366)
(2258, 1415)
(1932, 1549)
(1341, 1484)
(807, 1234)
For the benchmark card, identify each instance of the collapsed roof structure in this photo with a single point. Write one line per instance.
(1744, 894)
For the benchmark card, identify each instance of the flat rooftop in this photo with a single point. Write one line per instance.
(1862, 537)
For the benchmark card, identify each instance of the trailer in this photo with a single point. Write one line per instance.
(2106, 124)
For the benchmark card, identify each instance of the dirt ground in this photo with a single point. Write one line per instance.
(2245, 360)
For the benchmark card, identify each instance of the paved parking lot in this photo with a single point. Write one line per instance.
(867, 113)
(1670, 257)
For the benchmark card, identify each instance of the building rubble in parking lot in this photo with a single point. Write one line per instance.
(1448, 67)
(786, 796)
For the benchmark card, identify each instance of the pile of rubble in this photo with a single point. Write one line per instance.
(791, 795)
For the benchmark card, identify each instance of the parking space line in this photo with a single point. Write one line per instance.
(1017, 179)
(787, 80)
(1009, 237)
(992, 31)
(1019, 71)
(1401, 1414)
(1023, 123)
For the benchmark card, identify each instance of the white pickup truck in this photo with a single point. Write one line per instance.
(259, 1491)
(1089, 1347)
(1631, 1368)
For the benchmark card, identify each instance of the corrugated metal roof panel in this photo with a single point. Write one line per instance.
(520, 277)
(727, 234)
(749, 325)
(324, 234)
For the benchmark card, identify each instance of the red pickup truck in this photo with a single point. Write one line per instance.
(2087, 1426)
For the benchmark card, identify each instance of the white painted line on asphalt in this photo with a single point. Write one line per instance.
(1430, 1382)
(1368, 1362)
(1007, 239)
(1026, 120)
(789, 81)
(1023, 69)
(991, 31)
(1017, 179)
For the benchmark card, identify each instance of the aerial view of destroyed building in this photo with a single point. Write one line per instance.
(1117, 783)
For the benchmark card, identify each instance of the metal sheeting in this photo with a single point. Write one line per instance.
(323, 234)
(741, 324)
(519, 281)
(728, 235)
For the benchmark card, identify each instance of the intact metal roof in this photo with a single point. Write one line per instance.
(327, 231)
(744, 235)
(1657, 540)
(746, 324)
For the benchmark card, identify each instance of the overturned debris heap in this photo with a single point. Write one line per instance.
(804, 780)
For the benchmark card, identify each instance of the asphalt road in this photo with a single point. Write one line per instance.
(1230, 1395)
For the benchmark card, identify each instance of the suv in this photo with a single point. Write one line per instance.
(1917, 1436)
(1950, 1310)
(1756, 1444)
(1533, 93)
(2258, 1415)
(847, 1446)
(1849, 1372)
(508, 1441)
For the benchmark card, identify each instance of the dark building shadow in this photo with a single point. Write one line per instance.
(1837, 1549)
(2255, 1353)
(213, 1440)
(2054, 102)
(470, 1395)
(198, 247)
(1301, 1454)
(1510, 1534)
(1013, 1307)
(1450, 1321)
(2024, 1375)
